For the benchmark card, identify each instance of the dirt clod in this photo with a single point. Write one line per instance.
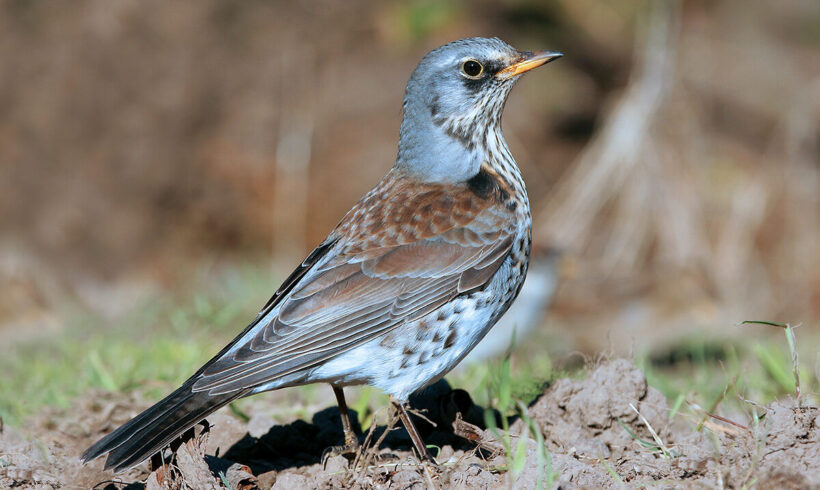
(286, 481)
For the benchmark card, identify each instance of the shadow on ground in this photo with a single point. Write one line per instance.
(303, 444)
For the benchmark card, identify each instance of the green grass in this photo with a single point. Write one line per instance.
(52, 375)
(719, 378)
(501, 386)
(153, 348)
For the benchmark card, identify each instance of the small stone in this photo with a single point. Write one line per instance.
(240, 477)
(590, 448)
(153, 482)
(690, 465)
(406, 478)
(446, 453)
(336, 464)
(266, 480)
(288, 481)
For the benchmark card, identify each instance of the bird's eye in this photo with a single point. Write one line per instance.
(472, 68)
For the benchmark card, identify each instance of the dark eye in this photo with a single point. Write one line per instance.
(472, 68)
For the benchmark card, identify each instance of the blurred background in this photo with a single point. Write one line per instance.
(188, 154)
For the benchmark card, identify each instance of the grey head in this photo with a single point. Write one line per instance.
(453, 105)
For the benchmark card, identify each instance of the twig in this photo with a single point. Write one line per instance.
(426, 468)
(714, 406)
(730, 422)
(420, 414)
(475, 435)
(368, 452)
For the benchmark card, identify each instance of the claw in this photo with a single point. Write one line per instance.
(350, 450)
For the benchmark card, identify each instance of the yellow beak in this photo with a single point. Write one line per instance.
(528, 61)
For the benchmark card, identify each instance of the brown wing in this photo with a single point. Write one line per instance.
(402, 252)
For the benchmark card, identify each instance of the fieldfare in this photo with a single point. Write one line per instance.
(406, 284)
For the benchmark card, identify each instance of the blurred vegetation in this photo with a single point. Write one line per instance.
(157, 344)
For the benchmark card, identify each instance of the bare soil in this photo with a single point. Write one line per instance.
(597, 432)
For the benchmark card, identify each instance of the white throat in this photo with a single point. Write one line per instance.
(429, 153)
(435, 156)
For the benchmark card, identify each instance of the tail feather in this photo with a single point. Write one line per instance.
(150, 431)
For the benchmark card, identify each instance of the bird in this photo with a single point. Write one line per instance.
(406, 284)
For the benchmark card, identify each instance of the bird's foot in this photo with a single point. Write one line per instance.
(349, 450)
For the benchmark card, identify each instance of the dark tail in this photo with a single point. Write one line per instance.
(147, 433)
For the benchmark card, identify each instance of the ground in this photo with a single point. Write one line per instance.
(605, 431)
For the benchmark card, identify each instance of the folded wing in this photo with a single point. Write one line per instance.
(363, 287)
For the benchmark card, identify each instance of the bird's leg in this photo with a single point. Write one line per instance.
(418, 443)
(351, 445)
(350, 437)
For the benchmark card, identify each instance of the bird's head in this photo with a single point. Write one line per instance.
(454, 100)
